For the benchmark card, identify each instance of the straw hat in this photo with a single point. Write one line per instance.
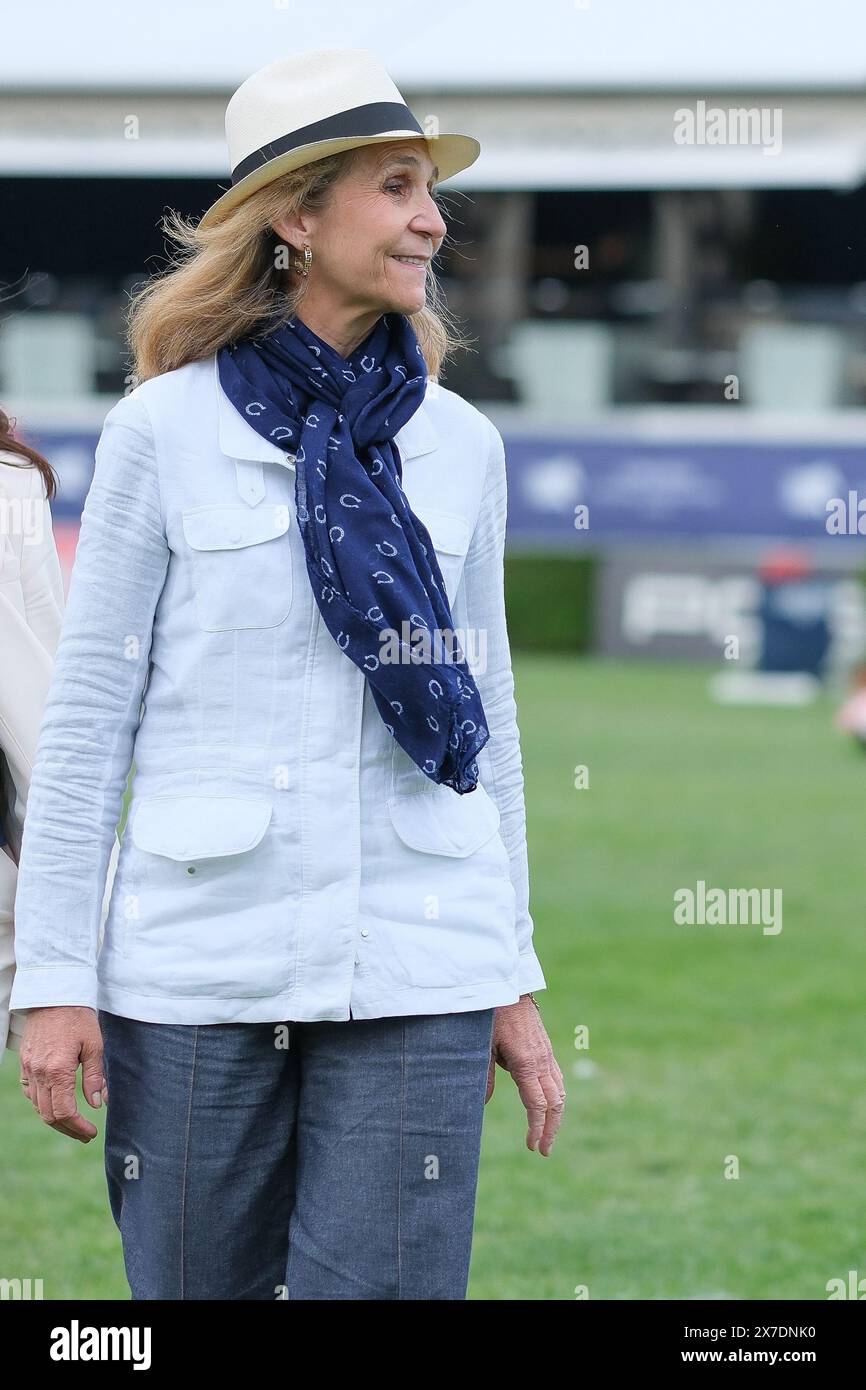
(302, 108)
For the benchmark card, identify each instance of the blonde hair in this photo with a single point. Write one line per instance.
(224, 282)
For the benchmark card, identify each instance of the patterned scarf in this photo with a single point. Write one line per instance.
(370, 560)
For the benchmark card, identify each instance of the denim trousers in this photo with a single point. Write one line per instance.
(326, 1160)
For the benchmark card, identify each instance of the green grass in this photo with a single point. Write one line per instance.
(705, 1041)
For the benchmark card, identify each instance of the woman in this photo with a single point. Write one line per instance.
(31, 609)
(319, 941)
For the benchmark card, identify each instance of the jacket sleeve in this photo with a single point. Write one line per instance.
(41, 575)
(92, 711)
(500, 762)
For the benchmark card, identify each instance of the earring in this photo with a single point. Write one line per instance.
(308, 261)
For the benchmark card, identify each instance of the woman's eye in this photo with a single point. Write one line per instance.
(401, 188)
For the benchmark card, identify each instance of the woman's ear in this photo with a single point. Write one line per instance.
(292, 230)
(282, 228)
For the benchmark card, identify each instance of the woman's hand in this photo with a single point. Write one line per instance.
(521, 1045)
(54, 1041)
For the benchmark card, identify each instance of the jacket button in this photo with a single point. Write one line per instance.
(234, 537)
(364, 931)
(191, 869)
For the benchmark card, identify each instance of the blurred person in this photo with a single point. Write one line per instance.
(851, 716)
(319, 943)
(794, 614)
(31, 610)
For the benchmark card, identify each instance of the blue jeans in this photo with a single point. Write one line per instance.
(324, 1160)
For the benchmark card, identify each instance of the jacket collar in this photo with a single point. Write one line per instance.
(239, 440)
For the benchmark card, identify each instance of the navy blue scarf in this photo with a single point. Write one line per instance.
(370, 560)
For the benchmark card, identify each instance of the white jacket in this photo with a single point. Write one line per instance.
(31, 609)
(283, 858)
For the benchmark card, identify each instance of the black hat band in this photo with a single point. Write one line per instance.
(374, 118)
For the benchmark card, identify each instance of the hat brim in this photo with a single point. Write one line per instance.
(452, 153)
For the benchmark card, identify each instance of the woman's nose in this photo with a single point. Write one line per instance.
(430, 221)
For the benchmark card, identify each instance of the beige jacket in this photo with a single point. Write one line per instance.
(31, 611)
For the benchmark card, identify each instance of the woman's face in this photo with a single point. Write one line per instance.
(382, 209)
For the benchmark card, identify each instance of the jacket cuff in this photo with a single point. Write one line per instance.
(530, 975)
(41, 986)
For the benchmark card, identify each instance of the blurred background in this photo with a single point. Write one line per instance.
(660, 256)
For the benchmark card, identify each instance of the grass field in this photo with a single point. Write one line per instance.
(708, 1044)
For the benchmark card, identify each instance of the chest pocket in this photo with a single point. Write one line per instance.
(450, 534)
(439, 821)
(199, 826)
(241, 564)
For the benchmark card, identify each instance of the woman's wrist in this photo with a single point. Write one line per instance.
(530, 995)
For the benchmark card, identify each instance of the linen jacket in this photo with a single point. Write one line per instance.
(283, 858)
(31, 610)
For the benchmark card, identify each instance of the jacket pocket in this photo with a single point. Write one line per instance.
(241, 565)
(450, 534)
(198, 826)
(441, 822)
(198, 912)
